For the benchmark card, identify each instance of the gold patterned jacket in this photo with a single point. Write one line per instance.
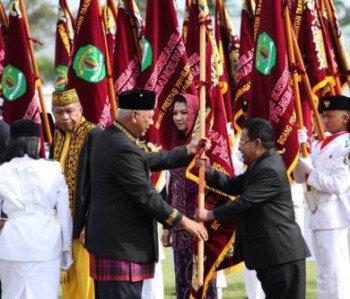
(76, 168)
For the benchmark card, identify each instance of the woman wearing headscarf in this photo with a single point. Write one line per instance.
(182, 195)
(36, 238)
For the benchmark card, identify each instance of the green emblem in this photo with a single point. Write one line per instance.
(60, 77)
(147, 54)
(89, 64)
(265, 58)
(13, 83)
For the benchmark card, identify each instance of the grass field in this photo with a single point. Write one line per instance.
(235, 284)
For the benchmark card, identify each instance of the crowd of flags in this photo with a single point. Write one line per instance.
(104, 51)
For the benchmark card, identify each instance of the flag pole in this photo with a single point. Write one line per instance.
(113, 9)
(291, 56)
(307, 86)
(331, 17)
(133, 26)
(328, 54)
(38, 84)
(3, 16)
(202, 104)
(111, 93)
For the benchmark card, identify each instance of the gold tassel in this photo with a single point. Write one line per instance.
(64, 277)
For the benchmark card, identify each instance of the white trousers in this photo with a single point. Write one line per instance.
(252, 284)
(26, 280)
(331, 250)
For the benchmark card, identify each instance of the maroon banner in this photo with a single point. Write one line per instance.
(2, 51)
(17, 83)
(64, 44)
(218, 248)
(308, 32)
(245, 65)
(228, 45)
(165, 68)
(334, 44)
(87, 71)
(271, 82)
(127, 53)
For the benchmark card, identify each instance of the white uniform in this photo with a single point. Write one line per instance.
(330, 182)
(34, 195)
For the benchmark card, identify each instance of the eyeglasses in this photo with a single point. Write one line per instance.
(245, 141)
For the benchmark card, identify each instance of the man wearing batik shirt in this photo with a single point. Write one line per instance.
(71, 146)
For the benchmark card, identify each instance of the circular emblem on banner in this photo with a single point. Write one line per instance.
(60, 77)
(13, 83)
(89, 64)
(147, 54)
(266, 52)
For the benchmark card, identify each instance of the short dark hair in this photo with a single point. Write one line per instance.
(259, 128)
(20, 146)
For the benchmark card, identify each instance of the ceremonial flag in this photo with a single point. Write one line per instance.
(18, 80)
(64, 44)
(335, 41)
(218, 248)
(308, 33)
(127, 53)
(245, 64)
(165, 68)
(87, 72)
(2, 51)
(228, 45)
(109, 19)
(271, 82)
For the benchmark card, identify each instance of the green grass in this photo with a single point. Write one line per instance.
(235, 283)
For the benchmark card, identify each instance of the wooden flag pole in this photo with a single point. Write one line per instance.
(38, 84)
(3, 16)
(110, 86)
(330, 61)
(331, 18)
(134, 28)
(202, 104)
(291, 56)
(307, 86)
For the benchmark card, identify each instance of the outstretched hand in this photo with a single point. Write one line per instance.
(195, 229)
(198, 145)
(203, 161)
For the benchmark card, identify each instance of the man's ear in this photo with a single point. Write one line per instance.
(133, 116)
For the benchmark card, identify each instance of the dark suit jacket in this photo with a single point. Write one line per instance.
(124, 203)
(268, 233)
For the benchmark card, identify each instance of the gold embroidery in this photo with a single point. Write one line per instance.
(171, 219)
(127, 133)
(66, 97)
(78, 139)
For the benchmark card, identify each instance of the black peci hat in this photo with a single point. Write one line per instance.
(337, 102)
(24, 128)
(137, 99)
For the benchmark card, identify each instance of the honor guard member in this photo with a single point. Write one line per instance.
(328, 200)
(121, 232)
(71, 146)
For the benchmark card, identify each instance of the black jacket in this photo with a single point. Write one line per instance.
(267, 232)
(124, 203)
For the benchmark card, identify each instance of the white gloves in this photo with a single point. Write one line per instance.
(302, 136)
(305, 165)
(66, 260)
